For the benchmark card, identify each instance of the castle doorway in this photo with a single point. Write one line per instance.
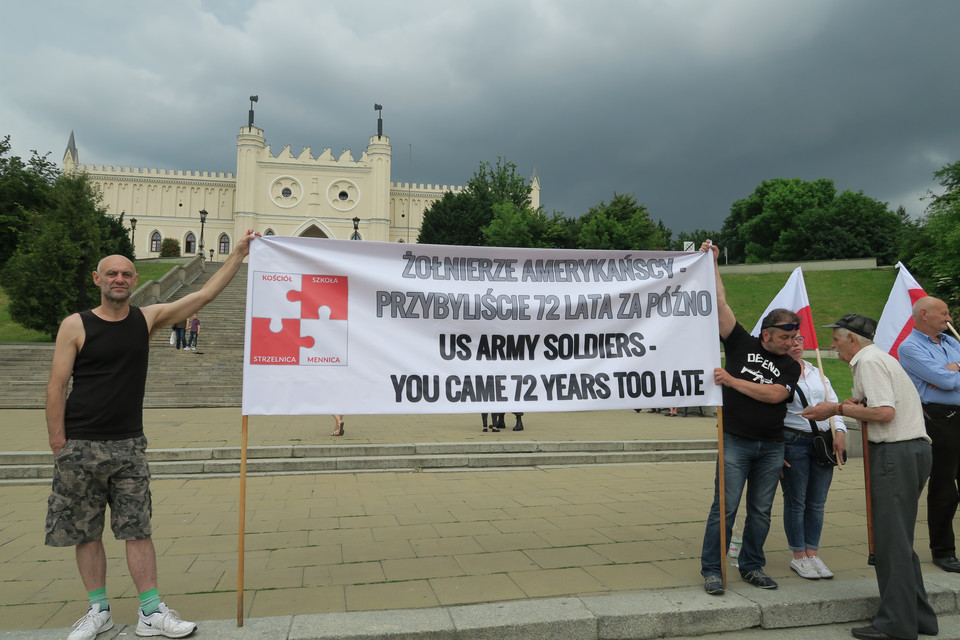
(313, 231)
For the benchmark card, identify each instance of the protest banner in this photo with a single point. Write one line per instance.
(338, 326)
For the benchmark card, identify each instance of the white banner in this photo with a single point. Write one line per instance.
(339, 326)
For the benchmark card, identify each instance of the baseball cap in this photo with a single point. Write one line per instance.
(860, 325)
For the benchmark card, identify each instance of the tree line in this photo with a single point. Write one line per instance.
(783, 220)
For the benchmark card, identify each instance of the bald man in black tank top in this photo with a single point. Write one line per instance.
(96, 435)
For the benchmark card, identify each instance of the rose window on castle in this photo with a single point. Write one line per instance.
(343, 195)
(286, 192)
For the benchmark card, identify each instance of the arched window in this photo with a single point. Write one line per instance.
(268, 232)
(190, 244)
(155, 241)
(224, 244)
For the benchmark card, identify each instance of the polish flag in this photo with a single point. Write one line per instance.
(793, 296)
(896, 321)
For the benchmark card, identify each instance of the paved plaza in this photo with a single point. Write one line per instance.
(375, 541)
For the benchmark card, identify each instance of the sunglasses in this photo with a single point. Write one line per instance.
(785, 327)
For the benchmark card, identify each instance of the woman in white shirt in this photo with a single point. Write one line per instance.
(805, 483)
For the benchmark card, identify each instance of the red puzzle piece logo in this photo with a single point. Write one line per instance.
(267, 347)
(321, 291)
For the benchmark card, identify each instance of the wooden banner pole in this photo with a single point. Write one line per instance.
(866, 484)
(953, 331)
(721, 489)
(243, 517)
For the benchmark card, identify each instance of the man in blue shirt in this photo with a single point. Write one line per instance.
(932, 360)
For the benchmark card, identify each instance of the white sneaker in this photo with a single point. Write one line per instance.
(805, 568)
(164, 622)
(820, 567)
(92, 624)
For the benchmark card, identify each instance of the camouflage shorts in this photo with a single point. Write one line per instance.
(87, 476)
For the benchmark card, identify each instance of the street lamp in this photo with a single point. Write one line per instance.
(356, 232)
(133, 233)
(203, 220)
(211, 255)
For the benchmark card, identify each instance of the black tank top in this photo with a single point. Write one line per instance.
(109, 376)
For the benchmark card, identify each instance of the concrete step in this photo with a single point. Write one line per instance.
(822, 610)
(36, 467)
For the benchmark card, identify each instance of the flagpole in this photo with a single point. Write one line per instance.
(243, 515)
(953, 331)
(721, 488)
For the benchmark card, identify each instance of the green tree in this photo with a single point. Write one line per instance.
(936, 259)
(624, 224)
(49, 275)
(793, 219)
(515, 227)
(461, 218)
(24, 188)
(170, 248)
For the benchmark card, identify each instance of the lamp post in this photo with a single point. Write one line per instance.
(211, 255)
(203, 220)
(133, 234)
(356, 225)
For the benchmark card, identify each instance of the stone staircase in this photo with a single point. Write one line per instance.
(212, 375)
(209, 377)
(36, 467)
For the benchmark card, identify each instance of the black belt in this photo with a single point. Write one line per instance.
(807, 434)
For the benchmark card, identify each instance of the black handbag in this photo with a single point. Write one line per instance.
(822, 441)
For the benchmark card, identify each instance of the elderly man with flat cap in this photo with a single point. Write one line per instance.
(900, 461)
(932, 360)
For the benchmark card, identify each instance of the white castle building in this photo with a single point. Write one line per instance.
(282, 194)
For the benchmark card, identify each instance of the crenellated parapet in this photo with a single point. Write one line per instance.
(306, 158)
(424, 189)
(164, 175)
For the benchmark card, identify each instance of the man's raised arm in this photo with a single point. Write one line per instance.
(727, 319)
(160, 315)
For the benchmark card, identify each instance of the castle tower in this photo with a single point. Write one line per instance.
(378, 157)
(250, 145)
(535, 190)
(71, 157)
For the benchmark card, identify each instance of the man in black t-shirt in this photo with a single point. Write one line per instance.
(758, 379)
(96, 436)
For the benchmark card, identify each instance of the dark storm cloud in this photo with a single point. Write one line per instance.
(687, 105)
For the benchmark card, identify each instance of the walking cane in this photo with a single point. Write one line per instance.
(721, 488)
(866, 489)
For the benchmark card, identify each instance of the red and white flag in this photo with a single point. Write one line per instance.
(896, 321)
(793, 296)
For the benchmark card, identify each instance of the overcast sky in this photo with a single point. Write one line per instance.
(688, 105)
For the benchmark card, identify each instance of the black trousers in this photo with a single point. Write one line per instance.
(943, 498)
(898, 471)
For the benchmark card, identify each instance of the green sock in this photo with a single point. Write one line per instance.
(149, 601)
(99, 597)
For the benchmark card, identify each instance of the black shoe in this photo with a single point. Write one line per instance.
(713, 585)
(948, 564)
(870, 633)
(758, 578)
